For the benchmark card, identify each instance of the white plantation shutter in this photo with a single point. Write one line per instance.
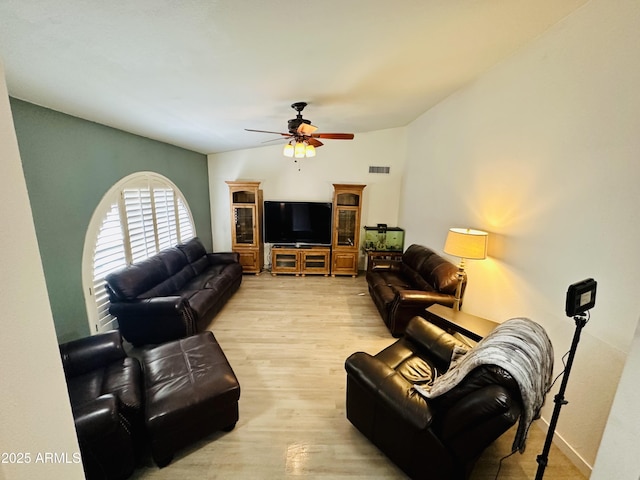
(185, 225)
(140, 223)
(166, 219)
(109, 256)
(141, 215)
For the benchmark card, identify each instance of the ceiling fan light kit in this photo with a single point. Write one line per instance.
(303, 139)
(300, 150)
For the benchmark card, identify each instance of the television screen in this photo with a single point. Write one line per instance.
(297, 222)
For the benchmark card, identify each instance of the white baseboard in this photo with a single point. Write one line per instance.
(573, 456)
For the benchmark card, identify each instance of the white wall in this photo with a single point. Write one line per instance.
(542, 152)
(617, 457)
(35, 417)
(312, 179)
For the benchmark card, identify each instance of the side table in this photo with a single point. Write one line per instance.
(372, 255)
(470, 326)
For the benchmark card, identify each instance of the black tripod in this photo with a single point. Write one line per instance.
(581, 321)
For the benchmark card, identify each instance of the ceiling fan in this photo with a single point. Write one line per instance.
(303, 139)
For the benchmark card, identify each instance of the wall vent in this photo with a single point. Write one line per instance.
(379, 169)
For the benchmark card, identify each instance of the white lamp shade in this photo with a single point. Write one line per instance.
(299, 150)
(310, 151)
(288, 150)
(466, 243)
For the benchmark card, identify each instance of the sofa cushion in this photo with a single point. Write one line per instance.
(415, 255)
(440, 273)
(221, 275)
(413, 278)
(179, 269)
(163, 289)
(207, 278)
(195, 254)
(402, 358)
(133, 280)
(201, 301)
(122, 378)
(173, 259)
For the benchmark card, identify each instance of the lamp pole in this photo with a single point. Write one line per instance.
(458, 300)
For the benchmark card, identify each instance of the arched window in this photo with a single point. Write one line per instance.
(139, 216)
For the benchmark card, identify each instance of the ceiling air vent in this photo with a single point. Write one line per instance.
(379, 169)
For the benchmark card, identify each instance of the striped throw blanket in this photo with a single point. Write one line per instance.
(523, 349)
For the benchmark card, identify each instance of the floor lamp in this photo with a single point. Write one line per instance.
(468, 244)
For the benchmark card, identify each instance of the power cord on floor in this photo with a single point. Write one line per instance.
(564, 358)
(500, 463)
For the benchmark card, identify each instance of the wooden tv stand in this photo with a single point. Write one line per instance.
(301, 260)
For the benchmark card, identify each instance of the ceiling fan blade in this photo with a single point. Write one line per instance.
(266, 131)
(333, 136)
(306, 129)
(274, 140)
(314, 142)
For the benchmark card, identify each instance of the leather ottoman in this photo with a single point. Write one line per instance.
(191, 391)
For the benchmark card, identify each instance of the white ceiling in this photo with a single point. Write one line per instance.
(195, 73)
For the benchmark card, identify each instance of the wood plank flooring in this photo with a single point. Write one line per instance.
(287, 339)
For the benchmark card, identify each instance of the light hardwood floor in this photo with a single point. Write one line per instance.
(287, 339)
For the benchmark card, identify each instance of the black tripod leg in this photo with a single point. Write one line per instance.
(559, 400)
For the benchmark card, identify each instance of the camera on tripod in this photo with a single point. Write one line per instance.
(581, 296)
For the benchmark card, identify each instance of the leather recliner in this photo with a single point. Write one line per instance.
(438, 438)
(104, 386)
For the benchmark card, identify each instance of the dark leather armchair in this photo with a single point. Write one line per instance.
(104, 387)
(438, 438)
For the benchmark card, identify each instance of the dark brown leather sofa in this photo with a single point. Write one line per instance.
(173, 294)
(403, 289)
(105, 390)
(435, 439)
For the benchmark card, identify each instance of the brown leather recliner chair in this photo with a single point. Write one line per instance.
(104, 386)
(439, 438)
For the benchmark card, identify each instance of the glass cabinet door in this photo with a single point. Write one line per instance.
(244, 196)
(244, 218)
(346, 229)
(348, 199)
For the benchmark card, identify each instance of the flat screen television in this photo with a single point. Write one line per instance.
(292, 223)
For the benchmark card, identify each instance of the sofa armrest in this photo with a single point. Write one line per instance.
(422, 297)
(220, 258)
(154, 320)
(96, 418)
(89, 353)
(105, 439)
(392, 390)
(409, 303)
(479, 418)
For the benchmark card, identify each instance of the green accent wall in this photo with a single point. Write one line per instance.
(69, 165)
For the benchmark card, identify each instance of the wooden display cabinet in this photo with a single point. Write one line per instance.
(300, 261)
(347, 205)
(246, 224)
